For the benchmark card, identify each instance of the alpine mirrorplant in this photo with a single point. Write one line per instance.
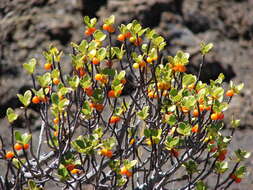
(166, 132)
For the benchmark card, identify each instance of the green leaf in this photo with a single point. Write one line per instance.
(235, 122)
(191, 166)
(99, 35)
(11, 115)
(101, 54)
(188, 79)
(242, 155)
(184, 129)
(143, 114)
(171, 119)
(205, 48)
(171, 142)
(18, 137)
(26, 99)
(44, 80)
(86, 20)
(63, 173)
(147, 133)
(55, 98)
(73, 82)
(221, 167)
(30, 66)
(240, 172)
(86, 110)
(110, 20)
(108, 71)
(62, 104)
(26, 138)
(189, 101)
(55, 73)
(200, 186)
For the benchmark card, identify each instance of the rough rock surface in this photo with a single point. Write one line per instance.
(28, 27)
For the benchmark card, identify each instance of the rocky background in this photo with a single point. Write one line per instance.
(28, 27)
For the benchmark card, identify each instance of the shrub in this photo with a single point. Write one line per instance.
(166, 132)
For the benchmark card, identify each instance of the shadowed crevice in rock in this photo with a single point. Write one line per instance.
(62, 35)
(90, 7)
(211, 71)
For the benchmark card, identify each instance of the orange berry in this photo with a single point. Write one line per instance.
(99, 107)
(102, 78)
(108, 28)
(106, 152)
(123, 81)
(179, 68)
(220, 116)
(92, 105)
(125, 171)
(201, 107)
(195, 129)
(214, 116)
(89, 91)
(44, 99)
(35, 100)
(121, 37)
(95, 61)
(98, 77)
(55, 133)
(56, 81)
(90, 31)
(132, 141)
(111, 94)
(56, 120)
(185, 109)
(9, 155)
(230, 93)
(26, 146)
(18, 146)
(128, 35)
(207, 108)
(195, 113)
(105, 27)
(149, 59)
(47, 66)
(75, 171)
(114, 119)
(81, 72)
(151, 94)
(142, 64)
(70, 167)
